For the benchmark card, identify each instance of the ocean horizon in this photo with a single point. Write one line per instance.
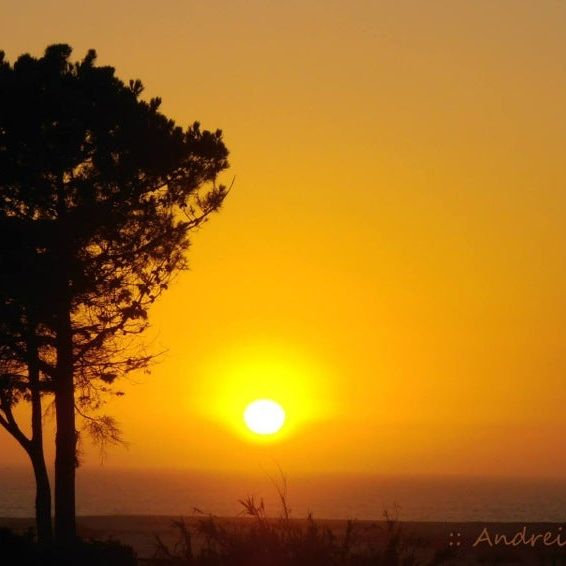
(110, 491)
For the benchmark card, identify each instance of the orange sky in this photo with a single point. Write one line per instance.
(391, 262)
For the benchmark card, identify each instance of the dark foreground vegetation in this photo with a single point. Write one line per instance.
(285, 542)
(23, 550)
(253, 540)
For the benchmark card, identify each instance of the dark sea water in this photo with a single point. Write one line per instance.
(105, 491)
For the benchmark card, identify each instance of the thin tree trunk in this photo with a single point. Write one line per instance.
(43, 493)
(42, 499)
(66, 436)
(42, 487)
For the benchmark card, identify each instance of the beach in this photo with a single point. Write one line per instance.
(458, 540)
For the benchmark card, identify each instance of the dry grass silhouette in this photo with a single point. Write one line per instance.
(259, 540)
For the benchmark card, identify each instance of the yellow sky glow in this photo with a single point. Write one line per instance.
(390, 265)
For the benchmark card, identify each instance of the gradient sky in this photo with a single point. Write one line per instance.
(391, 262)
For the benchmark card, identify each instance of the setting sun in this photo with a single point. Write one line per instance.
(243, 373)
(316, 263)
(264, 416)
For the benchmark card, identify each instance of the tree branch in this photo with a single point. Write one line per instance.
(9, 423)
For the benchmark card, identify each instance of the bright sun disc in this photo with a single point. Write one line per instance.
(264, 416)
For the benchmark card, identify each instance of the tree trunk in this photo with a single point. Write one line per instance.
(42, 487)
(42, 499)
(66, 436)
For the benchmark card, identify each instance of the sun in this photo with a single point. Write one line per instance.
(264, 416)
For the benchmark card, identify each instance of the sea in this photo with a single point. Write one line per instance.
(183, 493)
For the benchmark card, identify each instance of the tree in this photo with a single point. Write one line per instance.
(104, 191)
